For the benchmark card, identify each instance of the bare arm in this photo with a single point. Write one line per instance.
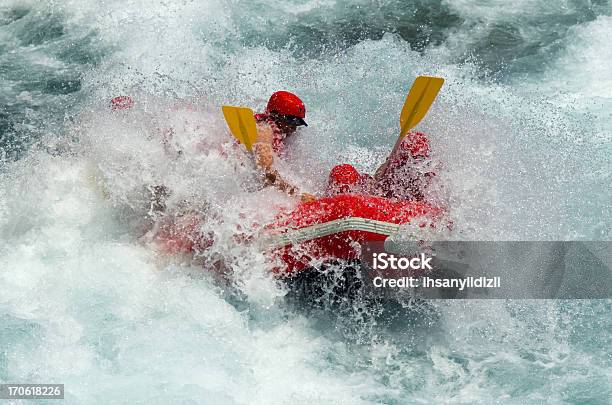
(264, 158)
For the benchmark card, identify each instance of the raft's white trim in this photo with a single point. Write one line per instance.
(329, 228)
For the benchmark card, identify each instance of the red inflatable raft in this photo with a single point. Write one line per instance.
(336, 227)
(329, 229)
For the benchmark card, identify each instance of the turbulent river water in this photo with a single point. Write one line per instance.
(522, 132)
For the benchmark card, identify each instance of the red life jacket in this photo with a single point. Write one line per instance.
(277, 142)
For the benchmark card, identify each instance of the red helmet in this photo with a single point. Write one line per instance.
(344, 175)
(288, 104)
(345, 179)
(415, 144)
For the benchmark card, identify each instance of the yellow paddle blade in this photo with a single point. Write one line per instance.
(422, 94)
(241, 122)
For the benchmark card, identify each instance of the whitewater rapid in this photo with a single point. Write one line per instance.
(521, 131)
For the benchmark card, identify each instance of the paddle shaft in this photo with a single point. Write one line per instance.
(407, 123)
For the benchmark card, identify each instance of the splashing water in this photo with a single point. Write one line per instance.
(521, 129)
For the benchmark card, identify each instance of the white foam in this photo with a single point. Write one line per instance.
(90, 306)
